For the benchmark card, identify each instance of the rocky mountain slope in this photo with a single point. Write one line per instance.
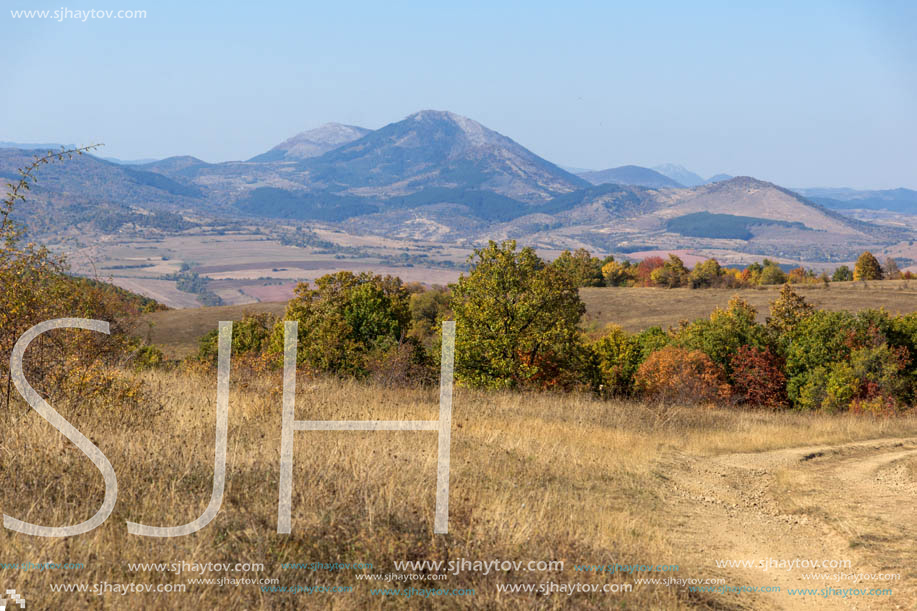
(313, 142)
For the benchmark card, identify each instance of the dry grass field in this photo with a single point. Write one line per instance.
(635, 309)
(534, 477)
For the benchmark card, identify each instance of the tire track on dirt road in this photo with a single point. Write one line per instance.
(853, 502)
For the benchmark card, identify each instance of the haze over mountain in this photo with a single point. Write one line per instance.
(31, 146)
(436, 175)
(313, 142)
(680, 174)
(893, 200)
(630, 175)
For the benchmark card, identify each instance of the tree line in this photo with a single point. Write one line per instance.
(673, 273)
(518, 327)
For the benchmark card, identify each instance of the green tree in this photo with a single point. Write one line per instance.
(516, 320)
(819, 339)
(616, 357)
(428, 309)
(867, 267)
(346, 319)
(771, 273)
(706, 274)
(581, 266)
(842, 274)
(672, 274)
(250, 336)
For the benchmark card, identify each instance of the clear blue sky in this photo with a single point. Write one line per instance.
(801, 93)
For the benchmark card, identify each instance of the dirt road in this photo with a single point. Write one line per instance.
(855, 502)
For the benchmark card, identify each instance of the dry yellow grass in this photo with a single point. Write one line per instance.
(534, 477)
(635, 309)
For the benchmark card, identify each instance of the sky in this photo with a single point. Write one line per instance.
(803, 94)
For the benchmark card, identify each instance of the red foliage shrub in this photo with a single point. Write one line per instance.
(677, 375)
(757, 378)
(645, 269)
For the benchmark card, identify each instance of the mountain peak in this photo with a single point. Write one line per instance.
(439, 149)
(313, 142)
(473, 131)
(679, 174)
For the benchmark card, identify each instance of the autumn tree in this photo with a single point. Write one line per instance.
(724, 332)
(787, 310)
(706, 274)
(65, 363)
(757, 377)
(645, 269)
(618, 273)
(677, 375)
(867, 267)
(516, 320)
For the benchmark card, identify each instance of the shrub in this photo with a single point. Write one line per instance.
(870, 381)
(758, 378)
(676, 375)
(830, 388)
(616, 357)
(720, 336)
(250, 337)
(428, 309)
(407, 364)
(650, 340)
(817, 340)
(771, 274)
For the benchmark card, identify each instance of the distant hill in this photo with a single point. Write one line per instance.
(313, 143)
(436, 175)
(129, 161)
(88, 192)
(680, 174)
(438, 149)
(631, 175)
(181, 166)
(86, 178)
(718, 178)
(894, 200)
(27, 146)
